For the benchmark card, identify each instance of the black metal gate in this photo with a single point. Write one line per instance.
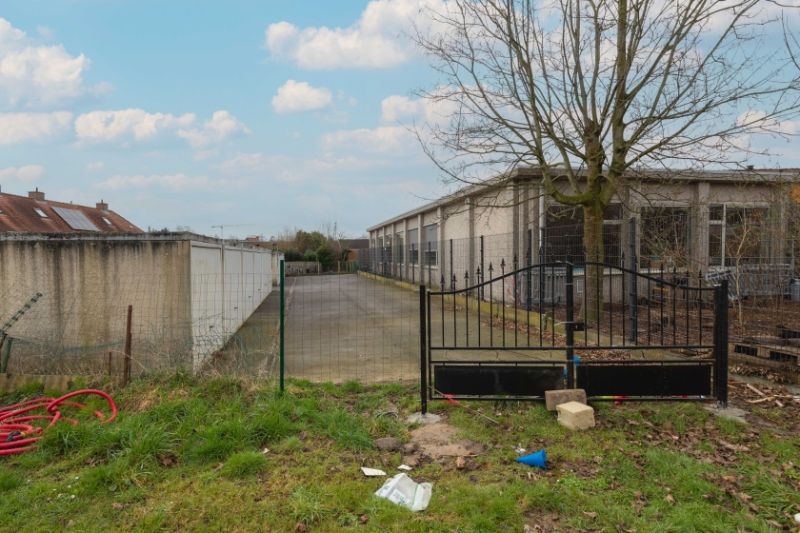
(617, 333)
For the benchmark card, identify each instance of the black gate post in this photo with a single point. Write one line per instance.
(634, 289)
(452, 265)
(428, 260)
(423, 364)
(483, 269)
(568, 326)
(721, 341)
(528, 292)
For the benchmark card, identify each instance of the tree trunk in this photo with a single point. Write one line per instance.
(593, 280)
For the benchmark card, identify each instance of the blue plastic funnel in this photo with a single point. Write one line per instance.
(537, 459)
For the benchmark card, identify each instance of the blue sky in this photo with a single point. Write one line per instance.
(165, 110)
(267, 115)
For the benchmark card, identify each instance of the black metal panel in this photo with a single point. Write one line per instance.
(647, 380)
(497, 380)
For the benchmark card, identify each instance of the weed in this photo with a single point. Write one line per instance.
(9, 480)
(244, 464)
(308, 505)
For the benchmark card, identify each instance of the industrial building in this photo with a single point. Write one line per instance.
(686, 220)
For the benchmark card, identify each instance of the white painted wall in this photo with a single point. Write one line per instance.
(226, 289)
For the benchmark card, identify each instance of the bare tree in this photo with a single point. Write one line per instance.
(590, 91)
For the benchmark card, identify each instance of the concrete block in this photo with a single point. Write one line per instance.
(553, 398)
(574, 415)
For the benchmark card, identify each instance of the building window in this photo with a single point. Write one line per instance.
(612, 234)
(745, 237)
(379, 250)
(398, 248)
(40, 212)
(664, 236)
(106, 221)
(716, 226)
(413, 246)
(562, 236)
(387, 249)
(430, 244)
(736, 234)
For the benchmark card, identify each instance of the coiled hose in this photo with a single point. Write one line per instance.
(18, 435)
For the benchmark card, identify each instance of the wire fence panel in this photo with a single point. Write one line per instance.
(353, 326)
(193, 323)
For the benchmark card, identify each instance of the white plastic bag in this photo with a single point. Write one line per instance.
(404, 491)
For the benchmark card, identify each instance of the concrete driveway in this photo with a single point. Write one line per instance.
(350, 327)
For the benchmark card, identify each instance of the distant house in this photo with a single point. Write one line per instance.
(35, 214)
(354, 247)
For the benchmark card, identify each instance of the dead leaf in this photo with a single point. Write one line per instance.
(734, 447)
(669, 499)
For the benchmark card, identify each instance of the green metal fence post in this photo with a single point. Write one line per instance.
(282, 320)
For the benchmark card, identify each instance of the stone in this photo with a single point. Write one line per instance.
(409, 448)
(553, 398)
(427, 418)
(575, 415)
(728, 413)
(411, 461)
(388, 444)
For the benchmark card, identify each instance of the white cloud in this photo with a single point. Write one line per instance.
(391, 140)
(173, 182)
(295, 96)
(35, 74)
(430, 110)
(395, 108)
(758, 120)
(95, 166)
(221, 126)
(101, 126)
(18, 127)
(24, 174)
(378, 39)
(262, 167)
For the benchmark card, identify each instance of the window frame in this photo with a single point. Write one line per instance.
(430, 253)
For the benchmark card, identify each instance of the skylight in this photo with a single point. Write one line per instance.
(40, 212)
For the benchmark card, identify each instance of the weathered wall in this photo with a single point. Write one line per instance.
(299, 268)
(86, 287)
(188, 299)
(225, 292)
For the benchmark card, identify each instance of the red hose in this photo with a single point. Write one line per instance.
(17, 437)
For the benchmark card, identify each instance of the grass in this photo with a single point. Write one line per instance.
(189, 454)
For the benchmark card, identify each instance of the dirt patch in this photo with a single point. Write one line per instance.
(440, 440)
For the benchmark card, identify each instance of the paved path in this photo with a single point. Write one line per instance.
(349, 327)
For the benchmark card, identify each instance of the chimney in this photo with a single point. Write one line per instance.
(101, 205)
(36, 195)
